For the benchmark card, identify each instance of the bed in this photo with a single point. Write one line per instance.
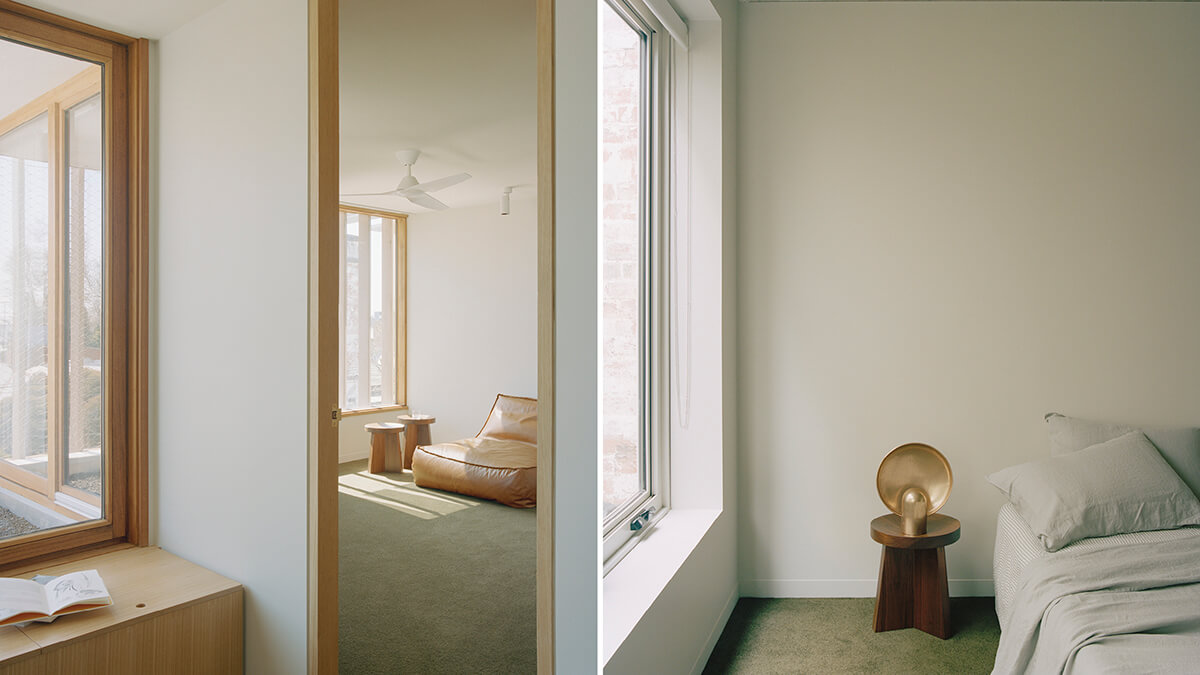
(1116, 603)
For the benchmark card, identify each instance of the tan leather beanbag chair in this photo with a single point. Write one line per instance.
(499, 463)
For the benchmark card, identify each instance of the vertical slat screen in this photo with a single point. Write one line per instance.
(342, 306)
(364, 312)
(387, 326)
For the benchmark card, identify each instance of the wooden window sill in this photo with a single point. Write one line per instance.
(372, 411)
(167, 614)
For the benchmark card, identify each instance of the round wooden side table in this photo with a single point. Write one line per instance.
(416, 432)
(913, 592)
(385, 447)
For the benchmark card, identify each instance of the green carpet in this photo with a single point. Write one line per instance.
(834, 635)
(432, 582)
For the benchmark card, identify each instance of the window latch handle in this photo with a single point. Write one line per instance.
(642, 519)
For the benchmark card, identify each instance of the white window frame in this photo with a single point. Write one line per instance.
(618, 536)
(395, 268)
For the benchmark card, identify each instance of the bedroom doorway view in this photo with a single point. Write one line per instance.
(437, 372)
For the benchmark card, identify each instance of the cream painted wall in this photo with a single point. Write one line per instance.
(228, 345)
(954, 218)
(576, 465)
(472, 312)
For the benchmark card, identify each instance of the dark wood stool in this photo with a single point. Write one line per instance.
(913, 592)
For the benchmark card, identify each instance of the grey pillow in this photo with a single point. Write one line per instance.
(1179, 446)
(1121, 485)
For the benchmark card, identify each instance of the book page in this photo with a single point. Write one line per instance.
(77, 588)
(21, 596)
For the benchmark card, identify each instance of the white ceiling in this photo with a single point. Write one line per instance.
(455, 79)
(135, 18)
(29, 73)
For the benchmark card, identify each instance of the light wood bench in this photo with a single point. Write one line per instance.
(168, 616)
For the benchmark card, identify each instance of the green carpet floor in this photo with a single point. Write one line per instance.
(432, 582)
(793, 635)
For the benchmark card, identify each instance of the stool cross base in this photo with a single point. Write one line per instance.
(913, 591)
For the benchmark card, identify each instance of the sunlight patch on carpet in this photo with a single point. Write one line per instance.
(401, 496)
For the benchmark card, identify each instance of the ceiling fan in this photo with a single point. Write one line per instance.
(412, 189)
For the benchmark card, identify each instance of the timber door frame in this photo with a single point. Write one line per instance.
(323, 297)
(323, 337)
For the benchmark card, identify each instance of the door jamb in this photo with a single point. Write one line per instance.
(323, 337)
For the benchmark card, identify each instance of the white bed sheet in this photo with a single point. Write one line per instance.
(1017, 546)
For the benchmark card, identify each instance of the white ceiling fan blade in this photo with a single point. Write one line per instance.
(422, 199)
(369, 194)
(442, 183)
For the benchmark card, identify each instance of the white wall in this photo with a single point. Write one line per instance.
(954, 218)
(576, 461)
(472, 312)
(228, 400)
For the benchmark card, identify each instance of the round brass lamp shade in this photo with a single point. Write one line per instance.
(914, 465)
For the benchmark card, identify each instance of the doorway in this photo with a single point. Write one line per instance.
(466, 137)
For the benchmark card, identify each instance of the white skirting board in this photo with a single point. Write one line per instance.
(847, 588)
(352, 455)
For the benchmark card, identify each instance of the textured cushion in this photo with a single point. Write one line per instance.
(1179, 446)
(1121, 485)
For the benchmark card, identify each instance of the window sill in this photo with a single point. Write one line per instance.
(633, 585)
(373, 411)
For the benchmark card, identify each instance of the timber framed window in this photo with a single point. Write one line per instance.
(372, 307)
(73, 291)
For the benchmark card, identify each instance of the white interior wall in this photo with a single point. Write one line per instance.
(954, 218)
(576, 403)
(229, 311)
(472, 312)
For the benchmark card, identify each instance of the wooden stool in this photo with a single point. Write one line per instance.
(385, 447)
(416, 432)
(913, 592)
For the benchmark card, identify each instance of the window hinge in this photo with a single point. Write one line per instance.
(642, 519)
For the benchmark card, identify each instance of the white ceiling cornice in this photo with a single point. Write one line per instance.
(136, 18)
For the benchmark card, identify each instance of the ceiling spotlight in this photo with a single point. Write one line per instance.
(504, 201)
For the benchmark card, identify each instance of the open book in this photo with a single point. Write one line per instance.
(25, 600)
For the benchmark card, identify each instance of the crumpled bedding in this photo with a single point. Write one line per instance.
(1132, 608)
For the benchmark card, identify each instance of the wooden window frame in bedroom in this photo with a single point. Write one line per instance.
(125, 81)
(399, 311)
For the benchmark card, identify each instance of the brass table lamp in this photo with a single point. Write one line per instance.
(914, 481)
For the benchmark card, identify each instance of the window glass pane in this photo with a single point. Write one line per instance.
(52, 294)
(377, 328)
(369, 278)
(25, 295)
(350, 334)
(84, 308)
(621, 272)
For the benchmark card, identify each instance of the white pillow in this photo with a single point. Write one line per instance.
(1180, 446)
(1121, 485)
